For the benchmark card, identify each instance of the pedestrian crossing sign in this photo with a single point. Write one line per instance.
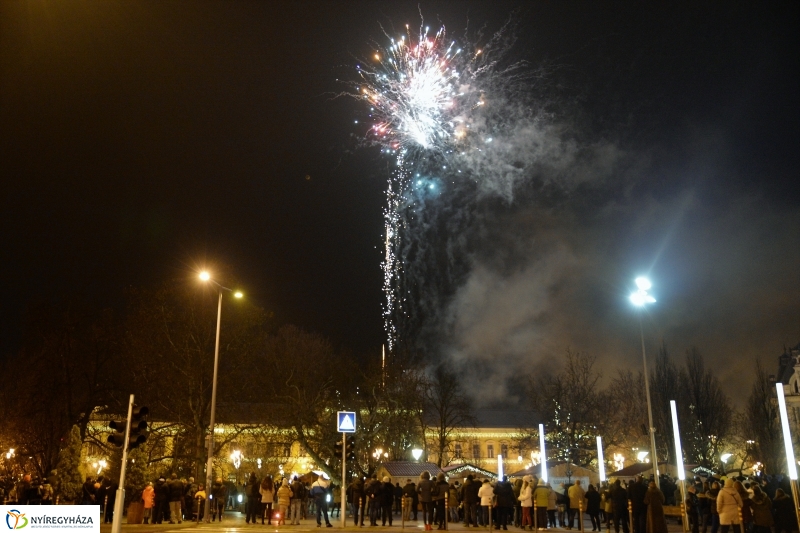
(346, 422)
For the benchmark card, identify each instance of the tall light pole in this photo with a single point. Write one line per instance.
(205, 276)
(640, 298)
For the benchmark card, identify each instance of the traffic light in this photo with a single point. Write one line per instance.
(138, 427)
(118, 437)
(138, 434)
(337, 449)
(350, 449)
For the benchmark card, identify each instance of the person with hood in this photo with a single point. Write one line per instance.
(761, 508)
(486, 495)
(425, 490)
(526, 502)
(387, 499)
(148, 500)
(593, 507)
(469, 496)
(219, 495)
(619, 506)
(285, 495)
(541, 500)
(267, 491)
(654, 500)
(747, 515)
(783, 509)
(162, 500)
(355, 495)
(442, 488)
(319, 491)
(576, 502)
(728, 504)
(253, 495)
(517, 486)
(505, 502)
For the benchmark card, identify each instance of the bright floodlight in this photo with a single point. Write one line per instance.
(600, 460)
(641, 455)
(417, 453)
(787, 436)
(205, 276)
(238, 294)
(542, 453)
(725, 457)
(640, 298)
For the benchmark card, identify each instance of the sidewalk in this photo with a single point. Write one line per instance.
(235, 521)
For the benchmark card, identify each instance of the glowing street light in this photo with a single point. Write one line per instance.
(205, 276)
(640, 298)
(416, 453)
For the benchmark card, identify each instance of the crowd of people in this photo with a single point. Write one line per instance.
(718, 504)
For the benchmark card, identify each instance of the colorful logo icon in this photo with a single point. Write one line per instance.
(16, 519)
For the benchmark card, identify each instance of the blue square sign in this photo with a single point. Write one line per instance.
(346, 422)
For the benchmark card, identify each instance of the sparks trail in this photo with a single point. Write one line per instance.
(436, 108)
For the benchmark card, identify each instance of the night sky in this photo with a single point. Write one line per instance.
(140, 140)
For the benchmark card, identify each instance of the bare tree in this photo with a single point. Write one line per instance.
(762, 430)
(664, 387)
(709, 418)
(447, 409)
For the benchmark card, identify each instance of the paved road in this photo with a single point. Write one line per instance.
(235, 523)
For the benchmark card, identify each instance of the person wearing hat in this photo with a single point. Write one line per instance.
(541, 498)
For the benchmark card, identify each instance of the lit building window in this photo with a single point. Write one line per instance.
(476, 451)
(457, 451)
(490, 451)
(504, 450)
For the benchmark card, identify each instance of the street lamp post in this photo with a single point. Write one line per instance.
(640, 298)
(205, 276)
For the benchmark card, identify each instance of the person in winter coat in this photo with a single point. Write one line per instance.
(442, 488)
(372, 490)
(783, 509)
(541, 500)
(175, 488)
(636, 493)
(267, 491)
(219, 495)
(469, 496)
(285, 495)
(619, 506)
(761, 508)
(526, 502)
(486, 495)
(576, 502)
(504, 493)
(409, 499)
(319, 491)
(253, 495)
(162, 500)
(692, 508)
(728, 504)
(654, 500)
(189, 490)
(355, 495)
(517, 486)
(711, 496)
(149, 501)
(425, 490)
(87, 497)
(199, 503)
(387, 499)
(747, 514)
(296, 503)
(552, 506)
(593, 508)
(452, 502)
